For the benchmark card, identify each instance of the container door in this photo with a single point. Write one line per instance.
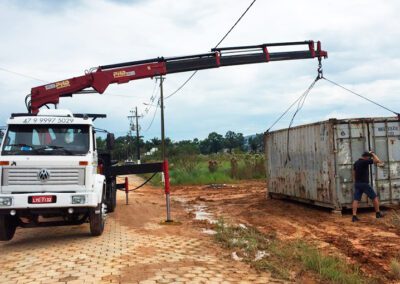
(351, 142)
(385, 141)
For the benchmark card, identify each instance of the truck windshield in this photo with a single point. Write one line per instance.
(46, 140)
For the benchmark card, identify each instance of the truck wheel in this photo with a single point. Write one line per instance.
(112, 202)
(97, 219)
(8, 225)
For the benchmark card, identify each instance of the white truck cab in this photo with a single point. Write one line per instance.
(49, 171)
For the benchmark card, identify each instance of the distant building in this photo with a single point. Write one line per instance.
(151, 152)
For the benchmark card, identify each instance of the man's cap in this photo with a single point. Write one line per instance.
(366, 154)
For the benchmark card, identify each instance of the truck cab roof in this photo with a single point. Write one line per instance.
(53, 116)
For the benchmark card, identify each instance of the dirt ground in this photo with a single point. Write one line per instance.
(136, 247)
(371, 243)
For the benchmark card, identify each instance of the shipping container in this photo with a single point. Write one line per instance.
(313, 163)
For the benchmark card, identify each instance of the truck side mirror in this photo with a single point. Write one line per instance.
(110, 141)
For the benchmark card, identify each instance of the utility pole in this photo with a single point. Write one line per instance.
(163, 151)
(136, 127)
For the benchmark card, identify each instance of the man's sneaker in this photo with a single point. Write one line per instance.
(379, 215)
(355, 218)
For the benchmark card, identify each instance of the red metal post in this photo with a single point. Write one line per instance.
(166, 176)
(127, 190)
(167, 189)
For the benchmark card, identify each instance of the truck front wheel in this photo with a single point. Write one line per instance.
(97, 218)
(8, 225)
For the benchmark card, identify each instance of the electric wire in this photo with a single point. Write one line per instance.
(22, 75)
(234, 25)
(183, 85)
(154, 116)
(152, 97)
(223, 38)
(361, 96)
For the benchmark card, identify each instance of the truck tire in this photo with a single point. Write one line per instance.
(112, 202)
(8, 225)
(97, 220)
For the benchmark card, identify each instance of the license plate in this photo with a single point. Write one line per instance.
(42, 199)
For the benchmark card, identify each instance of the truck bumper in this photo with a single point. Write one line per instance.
(59, 200)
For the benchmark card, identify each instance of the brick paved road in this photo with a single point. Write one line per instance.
(129, 251)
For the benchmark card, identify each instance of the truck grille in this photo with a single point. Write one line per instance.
(30, 176)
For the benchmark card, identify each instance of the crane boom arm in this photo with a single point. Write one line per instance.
(120, 73)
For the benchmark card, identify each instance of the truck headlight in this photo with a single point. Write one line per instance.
(78, 199)
(5, 201)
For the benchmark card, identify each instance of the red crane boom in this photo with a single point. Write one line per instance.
(125, 72)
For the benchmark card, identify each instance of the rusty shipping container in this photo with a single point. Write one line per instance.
(313, 163)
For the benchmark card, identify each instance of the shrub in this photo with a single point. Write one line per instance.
(234, 168)
(395, 269)
(212, 166)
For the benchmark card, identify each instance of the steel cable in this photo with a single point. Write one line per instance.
(361, 96)
(300, 105)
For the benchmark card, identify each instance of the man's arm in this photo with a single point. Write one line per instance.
(376, 159)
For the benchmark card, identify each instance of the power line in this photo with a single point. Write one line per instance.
(223, 38)
(154, 116)
(183, 85)
(152, 97)
(234, 25)
(22, 75)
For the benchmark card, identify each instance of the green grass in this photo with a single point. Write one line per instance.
(283, 258)
(328, 267)
(194, 169)
(199, 175)
(247, 241)
(395, 269)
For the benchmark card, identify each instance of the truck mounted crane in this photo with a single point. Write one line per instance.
(101, 77)
(50, 166)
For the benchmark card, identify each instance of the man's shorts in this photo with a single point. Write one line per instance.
(360, 188)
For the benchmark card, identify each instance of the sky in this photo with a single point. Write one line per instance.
(56, 40)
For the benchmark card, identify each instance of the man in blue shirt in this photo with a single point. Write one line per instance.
(361, 182)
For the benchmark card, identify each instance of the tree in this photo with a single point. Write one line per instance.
(212, 144)
(101, 143)
(156, 141)
(184, 148)
(256, 143)
(233, 140)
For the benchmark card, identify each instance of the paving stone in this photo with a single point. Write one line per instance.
(68, 255)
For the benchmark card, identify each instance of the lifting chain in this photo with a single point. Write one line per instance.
(320, 72)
